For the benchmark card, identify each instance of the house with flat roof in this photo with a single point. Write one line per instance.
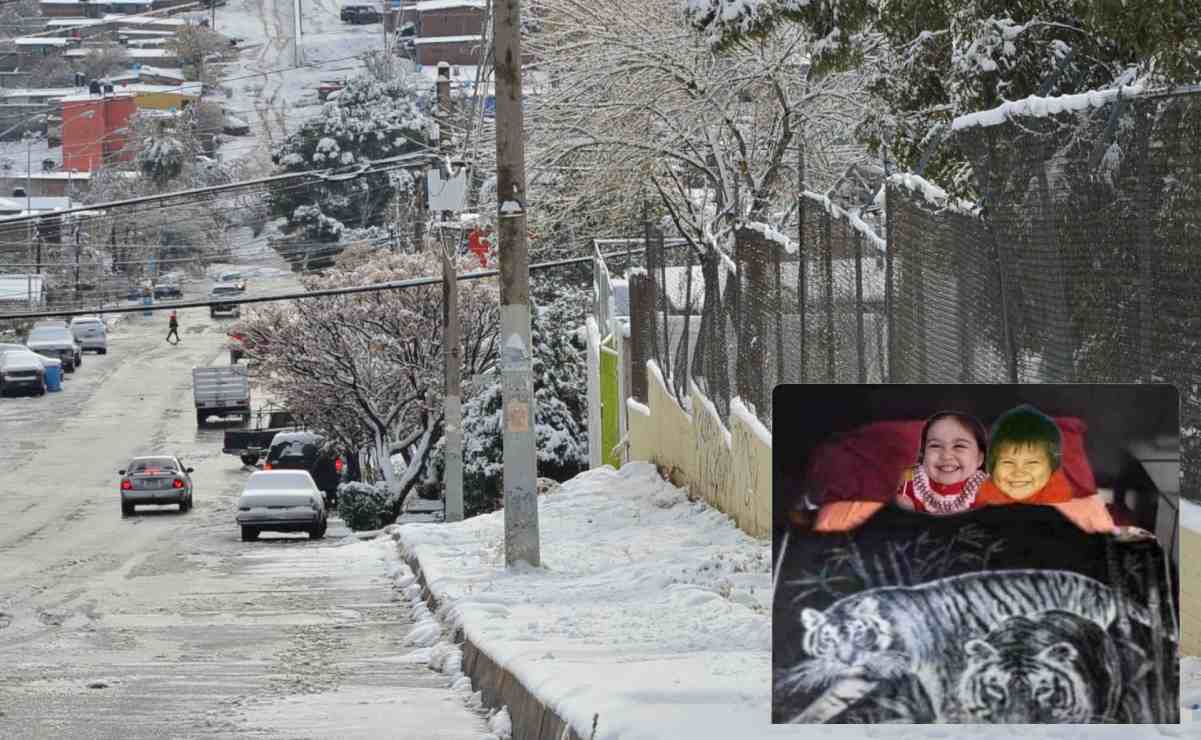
(17, 288)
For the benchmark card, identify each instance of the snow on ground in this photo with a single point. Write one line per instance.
(650, 610)
(263, 87)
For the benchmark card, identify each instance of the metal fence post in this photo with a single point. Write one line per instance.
(642, 332)
(828, 263)
(862, 376)
(890, 246)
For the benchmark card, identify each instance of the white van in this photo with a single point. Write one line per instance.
(91, 333)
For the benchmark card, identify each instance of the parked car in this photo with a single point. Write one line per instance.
(21, 370)
(281, 501)
(61, 323)
(361, 14)
(157, 479)
(222, 308)
(138, 292)
(91, 333)
(167, 289)
(233, 278)
(309, 452)
(56, 341)
(234, 126)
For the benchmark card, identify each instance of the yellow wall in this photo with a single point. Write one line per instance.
(729, 469)
(1190, 592)
(163, 100)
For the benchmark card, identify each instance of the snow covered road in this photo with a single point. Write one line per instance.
(165, 623)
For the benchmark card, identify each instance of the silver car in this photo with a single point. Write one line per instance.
(56, 341)
(155, 479)
(91, 333)
(281, 501)
(21, 370)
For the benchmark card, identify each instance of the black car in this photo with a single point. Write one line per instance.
(361, 14)
(307, 451)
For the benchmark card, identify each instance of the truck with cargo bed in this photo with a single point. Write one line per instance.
(252, 444)
(221, 391)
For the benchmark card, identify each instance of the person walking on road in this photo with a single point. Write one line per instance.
(174, 324)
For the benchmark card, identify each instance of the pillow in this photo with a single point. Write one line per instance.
(866, 463)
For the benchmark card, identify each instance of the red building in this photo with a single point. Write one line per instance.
(94, 130)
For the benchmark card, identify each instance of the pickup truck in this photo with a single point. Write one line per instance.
(252, 444)
(221, 391)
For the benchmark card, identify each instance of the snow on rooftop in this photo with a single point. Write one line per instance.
(42, 41)
(428, 5)
(446, 40)
(1039, 106)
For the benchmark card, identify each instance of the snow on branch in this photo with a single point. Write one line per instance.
(931, 193)
(1042, 107)
(772, 234)
(852, 218)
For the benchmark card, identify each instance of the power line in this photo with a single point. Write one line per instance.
(321, 293)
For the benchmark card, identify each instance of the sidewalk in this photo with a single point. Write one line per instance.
(650, 618)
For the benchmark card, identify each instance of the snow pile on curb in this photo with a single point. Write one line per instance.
(650, 610)
(439, 654)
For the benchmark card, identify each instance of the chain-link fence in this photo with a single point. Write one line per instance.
(1078, 266)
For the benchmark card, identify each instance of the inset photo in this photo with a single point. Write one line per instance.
(976, 554)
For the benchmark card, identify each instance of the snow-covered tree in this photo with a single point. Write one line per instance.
(636, 108)
(371, 118)
(367, 368)
(561, 413)
(937, 60)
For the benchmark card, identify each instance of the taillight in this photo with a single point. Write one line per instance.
(177, 483)
(126, 485)
(266, 466)
(338, 465)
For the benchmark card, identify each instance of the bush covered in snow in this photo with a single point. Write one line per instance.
(560, 414)
(365, 506)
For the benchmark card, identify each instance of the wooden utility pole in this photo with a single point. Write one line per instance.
(517, 384)
(452, 352)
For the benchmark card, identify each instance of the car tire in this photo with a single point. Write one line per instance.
(318, 532)
(103, 350)
(79, 359)
(249, 459)
(250, 534)
(40, 391)
(126, 509)
(200, 418)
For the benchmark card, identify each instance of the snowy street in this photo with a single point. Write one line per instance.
(121, 627)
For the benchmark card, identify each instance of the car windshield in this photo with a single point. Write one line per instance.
(224, 289)
(231, 276)
(278, 482)
(47, 334)
(151, 465)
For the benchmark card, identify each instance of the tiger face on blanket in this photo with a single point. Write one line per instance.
(1049, 668)
(887, 632)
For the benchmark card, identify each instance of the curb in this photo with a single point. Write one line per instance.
(498, 687)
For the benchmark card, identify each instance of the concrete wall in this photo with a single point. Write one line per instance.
(729, 468)
(1190, 591)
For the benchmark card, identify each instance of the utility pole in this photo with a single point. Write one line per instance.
(452, 352)
(517, 384)
(296, 33)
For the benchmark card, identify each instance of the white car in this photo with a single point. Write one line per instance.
(56, 341)
(91, 333)
(281, 501)
(21, 370)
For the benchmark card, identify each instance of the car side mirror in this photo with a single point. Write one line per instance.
(188, 470)
(121, 471)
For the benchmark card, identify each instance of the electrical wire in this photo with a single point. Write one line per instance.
(320, 293)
